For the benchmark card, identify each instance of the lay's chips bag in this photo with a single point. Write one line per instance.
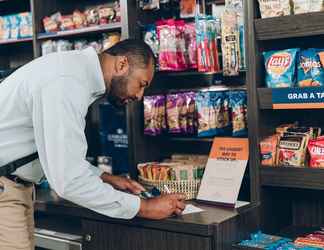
(310, 71)
(280, 68)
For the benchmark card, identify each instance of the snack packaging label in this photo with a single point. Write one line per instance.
(310, 71)
(280, 68)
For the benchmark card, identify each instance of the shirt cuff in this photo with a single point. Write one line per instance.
(130, 204)
(95, 170)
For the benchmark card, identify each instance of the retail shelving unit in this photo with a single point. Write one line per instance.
(290, 197)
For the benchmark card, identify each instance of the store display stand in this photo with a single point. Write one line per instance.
(291, 198)
(215, 228)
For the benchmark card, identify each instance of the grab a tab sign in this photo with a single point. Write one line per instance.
(298, 98)
(224, 171)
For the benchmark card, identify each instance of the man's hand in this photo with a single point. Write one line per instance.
(123, 183)
(162, 207)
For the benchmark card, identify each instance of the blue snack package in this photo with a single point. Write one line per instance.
(25, 25)
(238, 105)
(219, 118)
(14, 26)
(265, 241)
(280, 68)
(4, 28)
(151, 38)
(310, 71)
(203, 110)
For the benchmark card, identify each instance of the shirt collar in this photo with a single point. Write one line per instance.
(96, 79)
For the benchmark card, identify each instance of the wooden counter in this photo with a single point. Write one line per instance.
(214, 228)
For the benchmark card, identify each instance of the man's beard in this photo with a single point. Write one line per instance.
(117, 94)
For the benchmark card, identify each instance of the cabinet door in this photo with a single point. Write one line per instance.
(104, 236)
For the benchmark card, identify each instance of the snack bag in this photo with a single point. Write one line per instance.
(166, 31)
(191, 112)
(268, 149)
(106, 14)
(14, 26)
(316, 5)
(174, 103)
(149, 116)
(310, 71)
(63, 45)
(151, 38)
(219, 121)
(92, 16)
(203, 110)
(301, 6)
(110, 40)
(79, 19)
(67, 22)
(25, 25)
(191, 45)
(48, 47)
(273, 8)
(180, 45)
(238, 105)
(230, 43)
(280, 68)
(292, 150)
(316, 152)
(4, 28)
(80, 44)
(187, 8)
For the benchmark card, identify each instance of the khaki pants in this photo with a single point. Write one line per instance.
(16, 216)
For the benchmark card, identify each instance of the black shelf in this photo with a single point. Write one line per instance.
(164, 81)
(77, 32)
(180, 139)
(265, 98)
(301, 25)
(14, 41)
(292, 177)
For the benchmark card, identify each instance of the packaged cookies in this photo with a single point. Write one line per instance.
(310, 71)
(280, 68)
(292, 150)
(274, 8)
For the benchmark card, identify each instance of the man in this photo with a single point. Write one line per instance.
(43, 106)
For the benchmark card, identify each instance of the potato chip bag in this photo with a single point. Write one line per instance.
(280, 68)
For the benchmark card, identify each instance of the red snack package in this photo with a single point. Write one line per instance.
(181, 45)
(191, 45)
(50, 25)
(316, 152)
(67, 23)
(166, 31)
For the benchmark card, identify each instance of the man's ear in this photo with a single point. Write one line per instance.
(121, 65)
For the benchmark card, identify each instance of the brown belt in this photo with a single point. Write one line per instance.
(18, 180)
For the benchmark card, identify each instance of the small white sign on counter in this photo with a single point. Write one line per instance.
(224, 171)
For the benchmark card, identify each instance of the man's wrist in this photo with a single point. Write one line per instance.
(143, 208)
(105, 177)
